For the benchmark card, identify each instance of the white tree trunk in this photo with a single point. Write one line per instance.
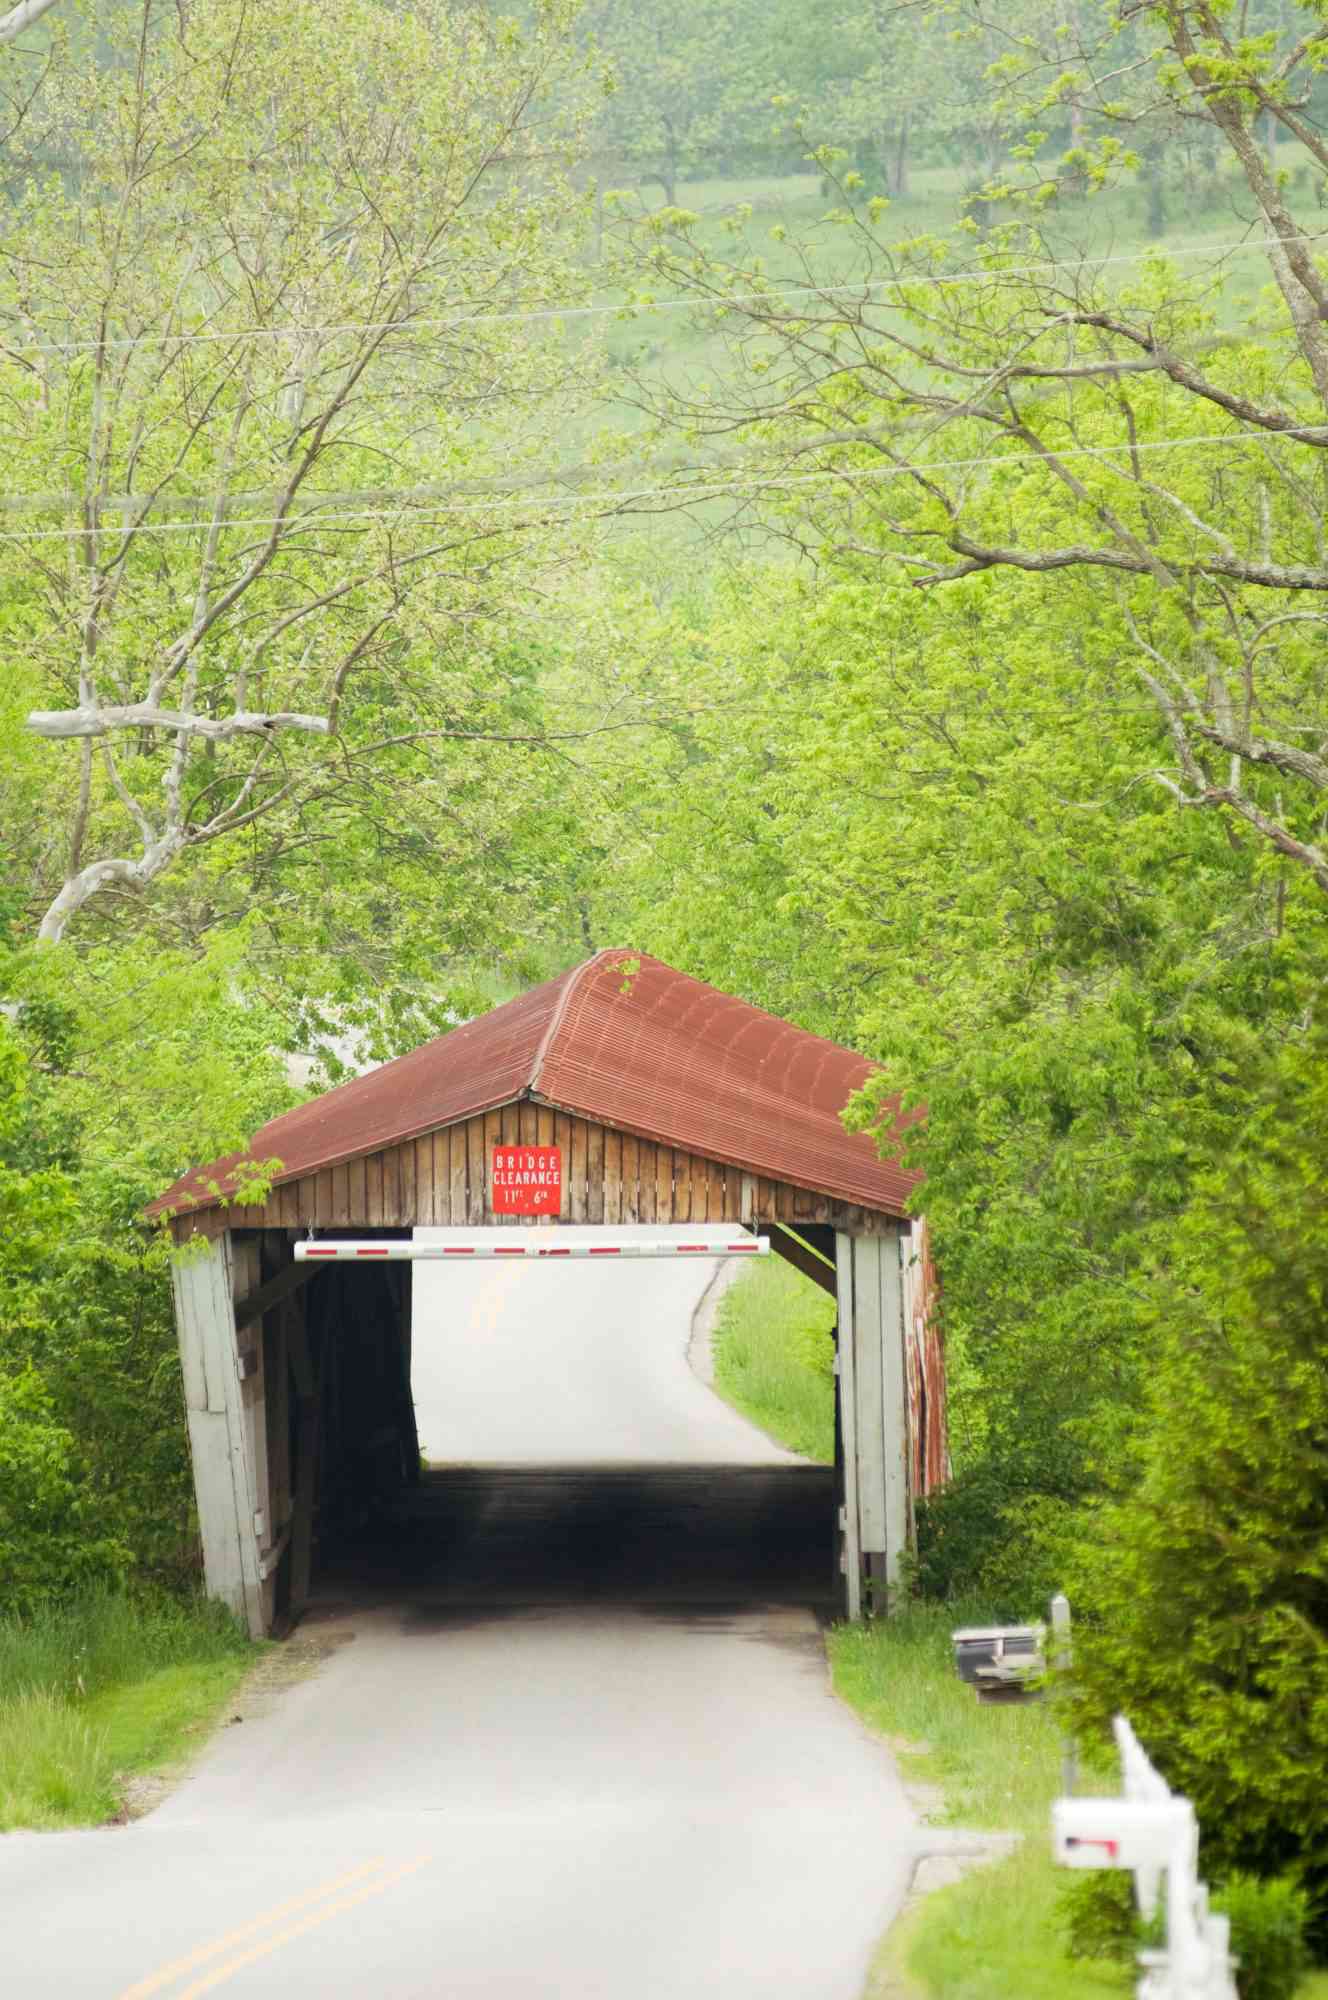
(21, 17)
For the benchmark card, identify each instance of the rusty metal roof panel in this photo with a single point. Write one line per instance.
(623, 1040)
(638, 1045)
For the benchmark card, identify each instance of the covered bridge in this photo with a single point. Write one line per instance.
(622, 1092)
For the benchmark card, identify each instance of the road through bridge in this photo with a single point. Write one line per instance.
(569, 1732)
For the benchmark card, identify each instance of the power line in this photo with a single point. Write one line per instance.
(311, 517)
(628, 308)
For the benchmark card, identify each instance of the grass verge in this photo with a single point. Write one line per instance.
(101, 1690)
(995, 1933)
(998, 1932)
(774, 1356)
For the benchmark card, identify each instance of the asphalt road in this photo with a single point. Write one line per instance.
(554, 1363)
(570, 1733)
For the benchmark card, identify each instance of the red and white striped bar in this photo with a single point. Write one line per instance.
(404, 1250)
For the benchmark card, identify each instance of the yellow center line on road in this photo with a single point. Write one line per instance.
(178, 1967)
(321, 1916)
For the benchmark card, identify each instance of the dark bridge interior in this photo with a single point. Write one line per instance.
(385, 1528)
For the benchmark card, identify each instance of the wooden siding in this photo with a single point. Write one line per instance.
(609, 1176)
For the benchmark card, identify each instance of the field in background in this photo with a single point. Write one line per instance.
(95, 1692)
(774, 1357)
(666, 346)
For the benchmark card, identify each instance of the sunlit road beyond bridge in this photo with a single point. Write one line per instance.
(569, 1730)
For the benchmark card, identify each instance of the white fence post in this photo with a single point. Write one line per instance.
(1152, 1831)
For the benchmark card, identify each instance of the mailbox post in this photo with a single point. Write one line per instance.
(1152, 1832)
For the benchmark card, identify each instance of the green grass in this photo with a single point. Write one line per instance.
(774, 1356)
(997, 1933)
(101, 1690)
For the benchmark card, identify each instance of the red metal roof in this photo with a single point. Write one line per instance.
(623, 1040)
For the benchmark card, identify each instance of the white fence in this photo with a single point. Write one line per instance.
(1154, 1833)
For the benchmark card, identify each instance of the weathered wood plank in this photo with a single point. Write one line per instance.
(493, 1136)
(576, 1181)
(264, 1297)
(894, 1413)
(357, 1198)
(394, 1163)
(631, 1170)
(647, 1181)
(846, 1389)
(306, 1207)
(509, 1125)
(544, 1125)
(595, 1136)
(716, 1192)
(449, 1175)
(422, 1179)
(682, 1188)
(527, 1123)
(476, 1170)
(869, 1336)
(612, 1174)
(408, 1198)
(373, 1190)
(664, 1209)
(306, 1462)
(223, 1466)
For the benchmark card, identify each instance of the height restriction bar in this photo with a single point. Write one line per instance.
(405, 1250)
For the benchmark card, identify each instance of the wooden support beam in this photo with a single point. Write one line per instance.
(274, 1291)
(793, 1250)
(306, 1462)
(847, 1391)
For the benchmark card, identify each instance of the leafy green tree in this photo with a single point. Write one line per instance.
(914, 823)
(1208, 1580)
(261, 359)
(51, 1540)
(987, 402)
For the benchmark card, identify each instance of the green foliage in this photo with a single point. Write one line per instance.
(1099, 1914)
(50, 1539)
(99, 1687)
(774, 1357)
(118, 1067)
(103, 1637)
(1207, 1581)
(998, 1931)
(1269, 1925)
(958, 873)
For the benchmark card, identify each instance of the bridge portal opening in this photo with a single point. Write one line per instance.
(560, 1446)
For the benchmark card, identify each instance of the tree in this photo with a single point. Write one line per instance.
(261, 350)
(18, 18)
(690, 86)
(912, 822)
(988, 403)
(1206, 1583)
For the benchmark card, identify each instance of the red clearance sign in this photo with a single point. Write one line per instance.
(526, 1180)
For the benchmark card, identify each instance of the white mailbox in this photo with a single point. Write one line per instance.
(1121, 1833)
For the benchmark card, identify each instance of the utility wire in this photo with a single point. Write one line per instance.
(631, 309)
(311, 517)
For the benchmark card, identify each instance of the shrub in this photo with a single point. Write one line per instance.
(1207, 1587)
(1269, 1925)
(49, 1544)
(1098, 1914)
